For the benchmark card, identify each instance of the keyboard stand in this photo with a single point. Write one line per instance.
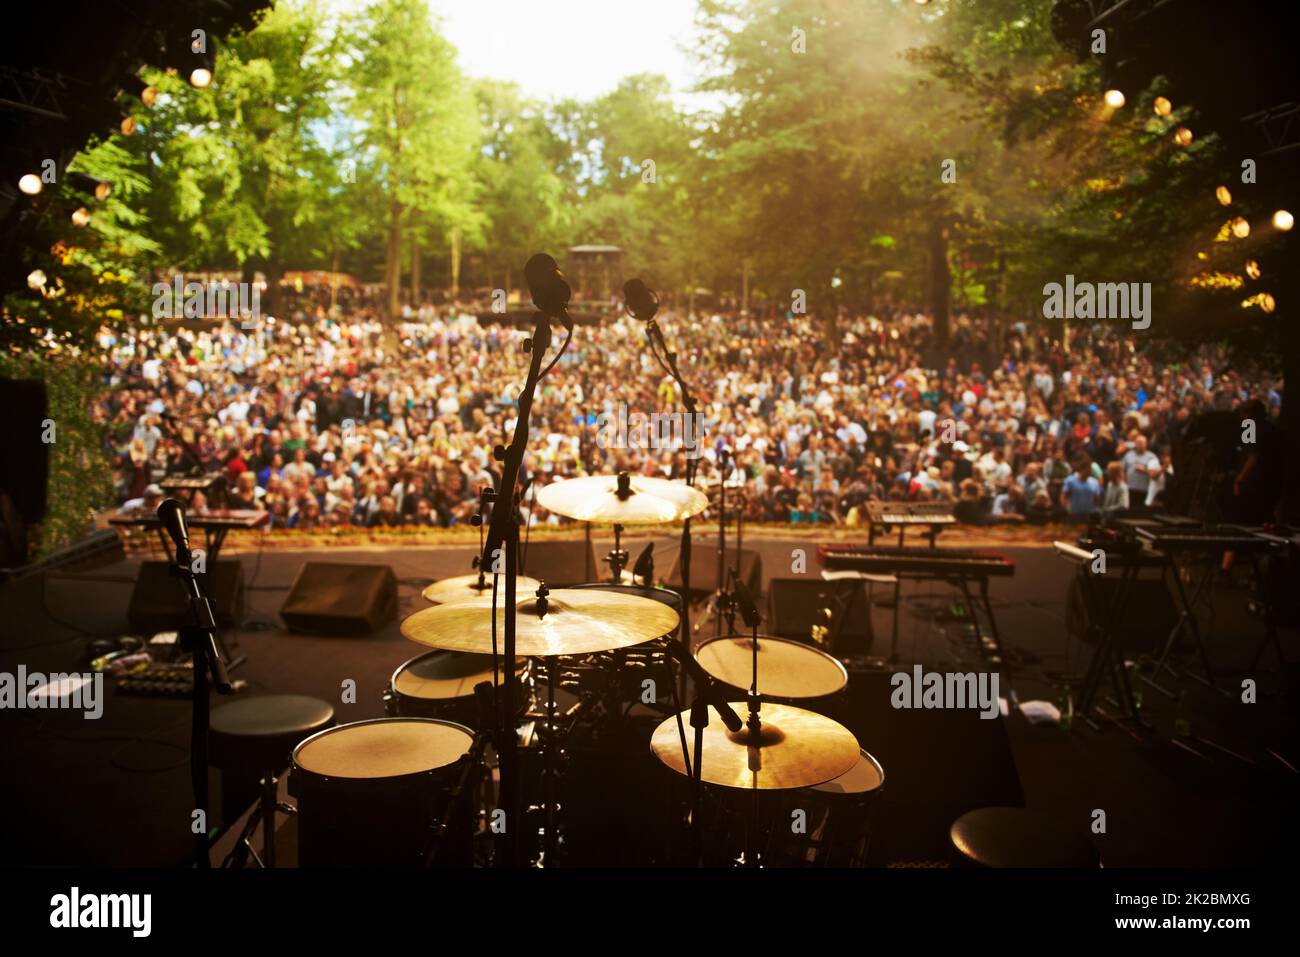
(1103, 621)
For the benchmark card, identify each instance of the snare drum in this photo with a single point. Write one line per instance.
(370, 793)
(787, 670)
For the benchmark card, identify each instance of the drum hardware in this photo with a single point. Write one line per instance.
(264, 816)
(720, 602)
(474, 760)
(618, 556)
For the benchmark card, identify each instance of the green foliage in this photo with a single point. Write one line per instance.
(81, 478)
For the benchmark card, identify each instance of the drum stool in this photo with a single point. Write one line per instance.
(1019, 837)
(252, 738)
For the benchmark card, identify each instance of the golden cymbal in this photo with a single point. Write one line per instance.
(578, 621)
(652, 501)
(466, 586)
(796, 749)
(786, 669)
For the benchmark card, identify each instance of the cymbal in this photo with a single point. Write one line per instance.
(797, 749)
(786, 669)
(595, 499)
(578, 621)
(466, 586)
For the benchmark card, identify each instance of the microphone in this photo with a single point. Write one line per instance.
(642, 303)
(172, 515)
(704, 684)
(548, 288)
(645, 564)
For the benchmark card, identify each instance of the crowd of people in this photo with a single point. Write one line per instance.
(332, 417)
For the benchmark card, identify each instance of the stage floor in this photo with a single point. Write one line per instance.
(115, 792)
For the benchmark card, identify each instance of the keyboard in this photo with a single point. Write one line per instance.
(918, 562)
(911, 513)
(1217, 538)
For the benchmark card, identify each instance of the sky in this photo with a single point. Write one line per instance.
(571, 48)
(568, 48)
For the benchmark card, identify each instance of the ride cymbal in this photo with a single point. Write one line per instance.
(577, 621)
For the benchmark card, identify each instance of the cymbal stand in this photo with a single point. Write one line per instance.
(754, 725)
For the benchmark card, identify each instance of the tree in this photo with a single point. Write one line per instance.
(417, 125)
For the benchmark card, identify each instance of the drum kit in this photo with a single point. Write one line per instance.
(419, 786)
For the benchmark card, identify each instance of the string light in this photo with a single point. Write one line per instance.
(1223, 195)
(1114, 99)
(1283, 220)
(30, 184)
(1240, 228)
(1252, 269)
(1162, 106)
(1183, 137)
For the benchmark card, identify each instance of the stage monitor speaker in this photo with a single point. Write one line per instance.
(794, 606)
(562, 563)
(332, 598)
(704, 569)
(1149, 612)
(160, 602)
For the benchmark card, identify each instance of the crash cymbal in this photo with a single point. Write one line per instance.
(786, 669)
(796, 749)
(648, 501)
(466, 586)
(578, 621)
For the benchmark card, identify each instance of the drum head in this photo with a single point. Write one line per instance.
(786, 669)
(866, 775)
(442, 675)
(383, 748)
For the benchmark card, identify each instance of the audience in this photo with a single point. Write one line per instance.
(330, 417)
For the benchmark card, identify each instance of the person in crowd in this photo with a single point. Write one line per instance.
(1115, 496)
(1081, 492)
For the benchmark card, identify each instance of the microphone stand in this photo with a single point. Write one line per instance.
(503, 534)
(200, 640)
(668, 361)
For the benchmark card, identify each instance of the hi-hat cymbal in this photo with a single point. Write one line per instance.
(578, 621)
(652, 501)
(466, 586)
(796, 749)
